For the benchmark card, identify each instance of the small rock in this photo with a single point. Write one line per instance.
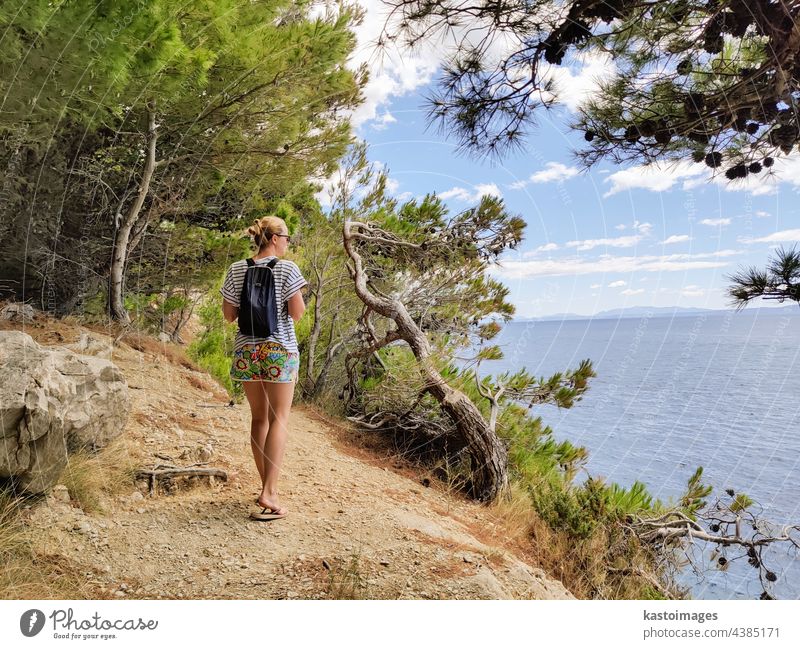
(61, 493)
(17, 313)
(119, 593)
(137, 496)
(384, 562)
(83, 527)
(164, 337)
(140, 510)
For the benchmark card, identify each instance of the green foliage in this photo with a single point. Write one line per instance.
(147, 311)
(213, 348)
(245, 99)
(178, 263)
(780, 281)
(740, 503)
(86, 61)
(693, 500)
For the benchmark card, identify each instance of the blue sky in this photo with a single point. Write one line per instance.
(607, 238)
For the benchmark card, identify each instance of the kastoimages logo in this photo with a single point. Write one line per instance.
(31, 622)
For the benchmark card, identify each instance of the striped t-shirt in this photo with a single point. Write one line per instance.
(288, 280)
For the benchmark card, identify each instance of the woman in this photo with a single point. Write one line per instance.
(268, 367)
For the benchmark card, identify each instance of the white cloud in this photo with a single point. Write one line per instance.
(776, 237)
(632, 291)
(458, 193)
(576, 83)
(621, 226)
(618, 284)
(692, 290)
(393, 72)
(662, 177)
(618, 242)
(553, 172)
(715, 222)
(762, 214)
(547, 247)
(676, 238)
(655, 177)
(488, 189)
(382, 121)
(595, 286)
(463, 194)
(611, 264)
(644, 228)
(785, 170)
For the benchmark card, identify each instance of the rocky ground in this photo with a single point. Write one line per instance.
(359, 526)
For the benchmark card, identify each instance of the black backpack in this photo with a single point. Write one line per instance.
(258, 307)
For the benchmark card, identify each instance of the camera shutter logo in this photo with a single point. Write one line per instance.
(31, 622)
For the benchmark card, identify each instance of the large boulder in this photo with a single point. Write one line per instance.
(54, 401)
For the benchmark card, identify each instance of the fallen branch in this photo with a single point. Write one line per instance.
(160, 472)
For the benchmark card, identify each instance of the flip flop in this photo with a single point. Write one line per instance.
(266, 514)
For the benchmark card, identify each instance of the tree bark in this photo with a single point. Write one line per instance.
(313, 337)
(321, 381)
(488, 453)
(116, 305)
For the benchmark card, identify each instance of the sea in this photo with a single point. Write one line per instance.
(719, 390)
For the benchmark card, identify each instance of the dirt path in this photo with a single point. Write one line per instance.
(356, 527)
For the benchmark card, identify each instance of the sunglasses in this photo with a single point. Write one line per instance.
(288, 237)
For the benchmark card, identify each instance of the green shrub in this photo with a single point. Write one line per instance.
(213, 348)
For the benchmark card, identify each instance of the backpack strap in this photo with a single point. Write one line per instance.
(270, 263)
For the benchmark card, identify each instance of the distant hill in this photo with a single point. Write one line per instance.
(663, 312)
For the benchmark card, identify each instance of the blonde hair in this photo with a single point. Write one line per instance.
(263, 229)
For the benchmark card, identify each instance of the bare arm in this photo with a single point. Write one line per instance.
(296, 305)
(229, 312)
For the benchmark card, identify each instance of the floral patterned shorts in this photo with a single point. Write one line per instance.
(268, 361)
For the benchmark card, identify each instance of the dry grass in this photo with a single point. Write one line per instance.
(26, 574)
(91, 476)
(518, 515)
(148, 345)
(199, 384)
(345, 580)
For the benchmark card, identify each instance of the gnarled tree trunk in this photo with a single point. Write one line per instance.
(489, 454)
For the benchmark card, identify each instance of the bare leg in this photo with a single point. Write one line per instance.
(259, 423)
(279, 397)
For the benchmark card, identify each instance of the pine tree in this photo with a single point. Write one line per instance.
(711, 81)
(780, 281)
(196, 104)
